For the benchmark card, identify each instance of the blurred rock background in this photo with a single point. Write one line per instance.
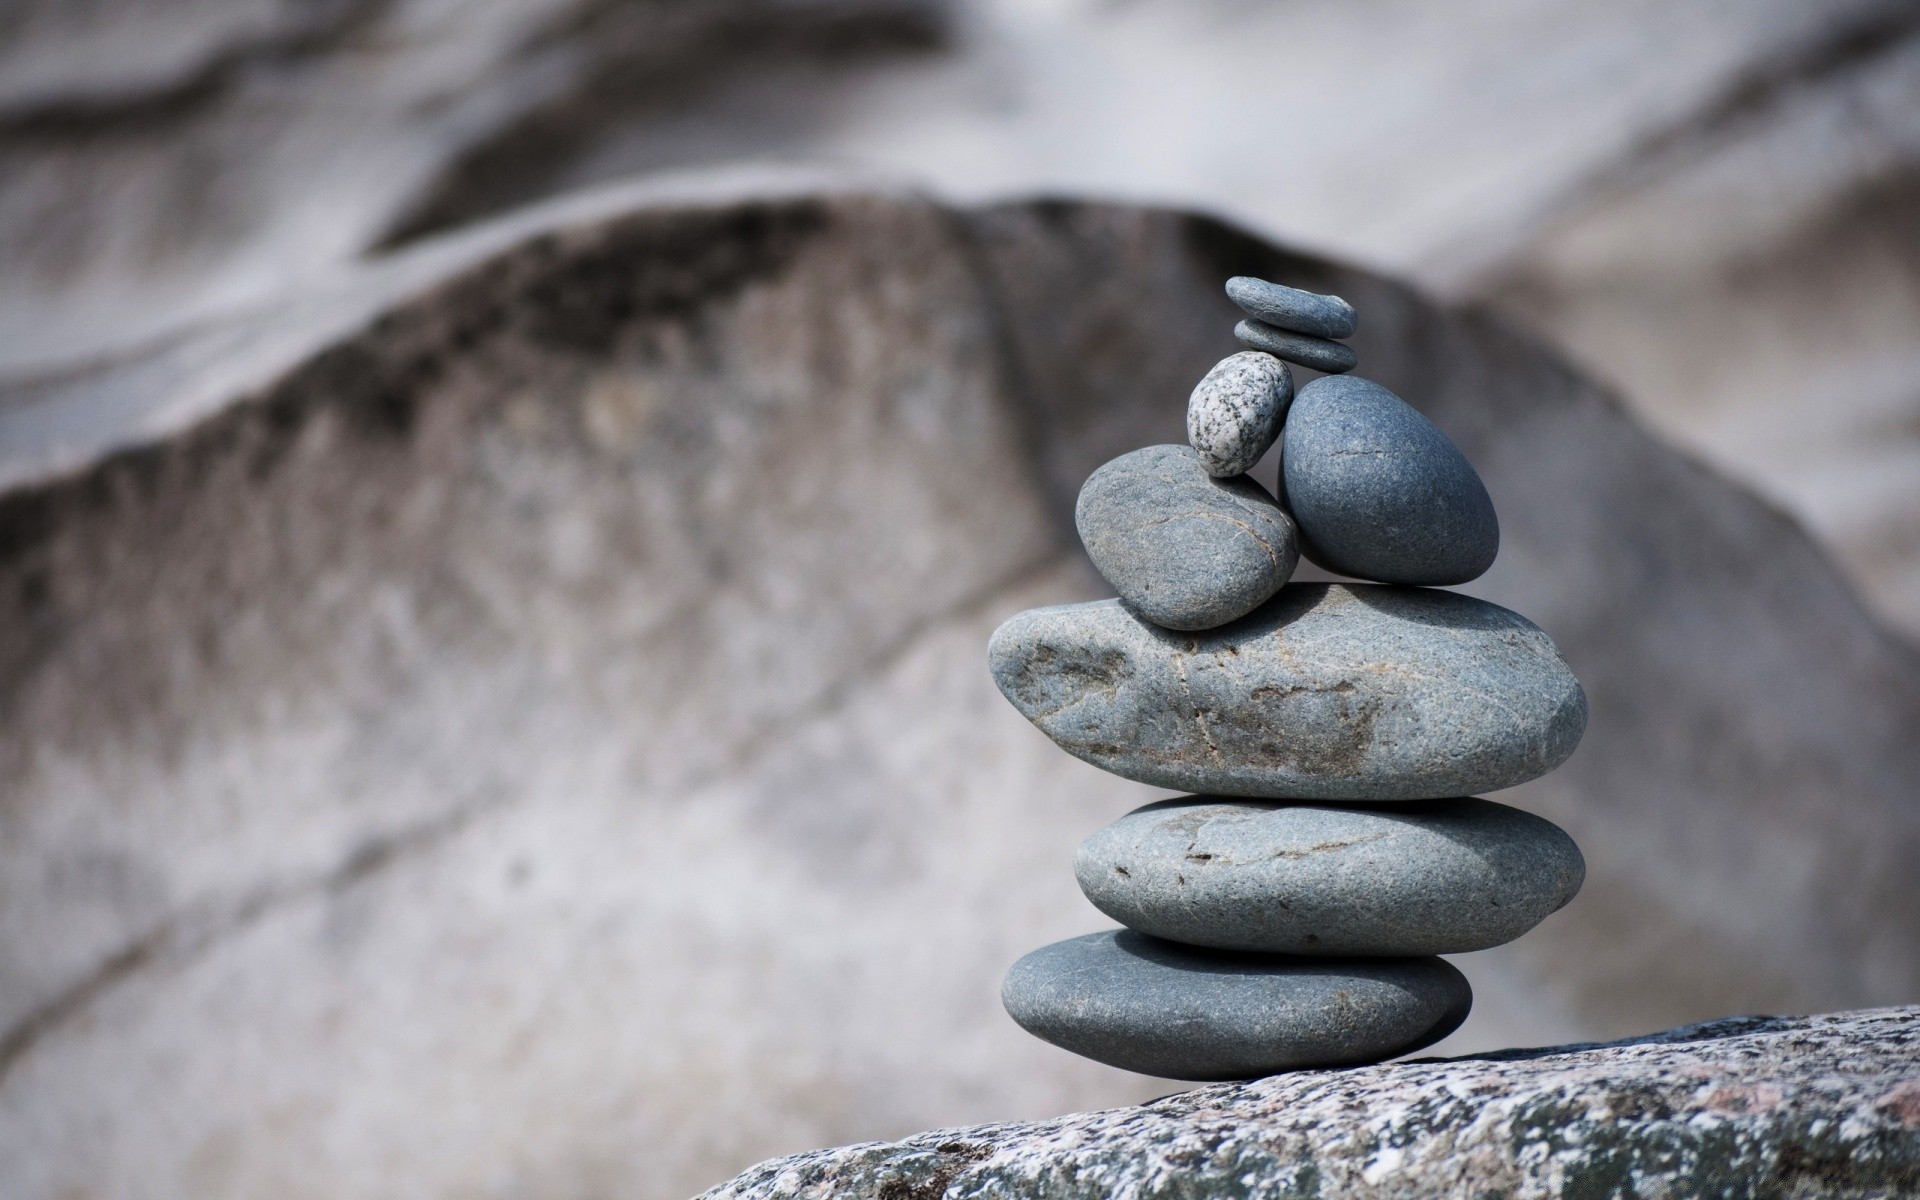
(430, 602)
(1712, 205)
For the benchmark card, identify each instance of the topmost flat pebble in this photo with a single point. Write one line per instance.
(1291, 308)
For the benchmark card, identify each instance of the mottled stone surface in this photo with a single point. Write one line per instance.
(1380, 492)
(1180, 1012)
(1234, 413)
(1748, 1107)
(1317, 353)
(1443, 877)
(1182, 548)
(1328, 692)
(1293, 309)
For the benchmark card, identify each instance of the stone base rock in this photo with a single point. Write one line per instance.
(1758, 1106)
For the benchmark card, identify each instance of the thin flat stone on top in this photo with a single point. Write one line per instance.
(1183, 549)
(1441, 877)
(1180, 1012)
(1379, 492)
(1291, 308)
(1235, 412)
(1316, 353)
(1327, 692)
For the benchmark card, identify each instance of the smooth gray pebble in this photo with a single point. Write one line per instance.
(1293, 309)
(1183, 549)
(1308, 351)
(1380, 492)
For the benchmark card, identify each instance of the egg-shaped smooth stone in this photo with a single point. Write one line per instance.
(1235, 412)
(1316, 353)
(1181, 1012)
(1291, 308)
(1325, 692)
(1379, 492)
(1441, 877)
(1182, 548)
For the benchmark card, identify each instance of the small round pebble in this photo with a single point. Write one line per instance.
(1439, 877)
(1291, 308)
(1314, 352)
(1379, 492)
(1179, 1012)
(1234, 414)
(1183, 549)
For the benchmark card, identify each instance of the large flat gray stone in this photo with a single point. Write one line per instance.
(1181, 1012)
(1446, 877)
(1328, 692)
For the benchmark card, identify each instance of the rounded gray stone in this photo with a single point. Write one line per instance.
(1234, 414)
(1317, 353)
(1325, 692)
(1182, 548)
(1180, 1012)
(1442, 877)
(1293, 309)
(1379, 492)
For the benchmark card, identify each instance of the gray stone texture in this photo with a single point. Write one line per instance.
(386, 669)
(1235, 411)
(1444, 877)
(1292, 309)
(1380, 492)
(1319, 354)
(1328, 692)
(1179, 1012)
(1184, 549)
(1748, 1107)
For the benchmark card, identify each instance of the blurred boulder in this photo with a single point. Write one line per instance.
(162, 163)
(513, 719)
(1747, 272)
(1755, 1107)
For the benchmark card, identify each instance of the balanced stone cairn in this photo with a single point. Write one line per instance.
(1292, 914)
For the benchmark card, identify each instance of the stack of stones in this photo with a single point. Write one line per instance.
(1292, 913)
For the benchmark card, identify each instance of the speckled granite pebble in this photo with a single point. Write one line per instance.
(1327, 691)
(1442, 877)
(1234, 414)
(1379, 492)
(1183, 549)
(1178, 1012)
(1317, 353)
(1292, 308)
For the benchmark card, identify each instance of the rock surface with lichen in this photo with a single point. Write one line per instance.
(1752, 1106)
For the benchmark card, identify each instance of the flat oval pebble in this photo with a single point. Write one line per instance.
(1443, 877)
(1182, 548)
(1291, 308)
(1379, 492)
(1180, 1012)
(1317, 353)
(1326, 692)
(1234, 414)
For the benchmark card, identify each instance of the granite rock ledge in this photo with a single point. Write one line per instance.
(1823, 1106)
